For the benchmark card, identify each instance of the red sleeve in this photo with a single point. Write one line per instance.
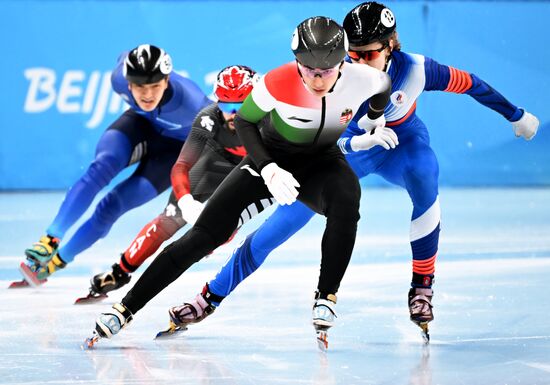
(189, 154)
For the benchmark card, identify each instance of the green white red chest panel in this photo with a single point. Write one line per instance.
(300, 118)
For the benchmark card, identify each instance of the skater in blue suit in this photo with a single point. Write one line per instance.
(151, 133)
(412, 165)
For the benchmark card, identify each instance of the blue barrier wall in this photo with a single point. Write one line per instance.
(57, 56)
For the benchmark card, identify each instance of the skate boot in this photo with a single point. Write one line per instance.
(195, 311)
(36, 275)
(191, 312)
(42, 251)
(110, 280)
(323, 315)
(55, 264)
(110, 323)
(420, 309)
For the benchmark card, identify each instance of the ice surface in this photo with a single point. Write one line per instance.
(492, 300)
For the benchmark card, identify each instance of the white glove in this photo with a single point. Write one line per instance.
(527, 126)
(190, 208)
(379, 136)
(280, 183)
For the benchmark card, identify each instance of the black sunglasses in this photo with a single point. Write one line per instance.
(368, 55)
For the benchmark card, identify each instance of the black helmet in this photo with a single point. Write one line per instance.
(319, 42)
(147, 64)
(369, 22)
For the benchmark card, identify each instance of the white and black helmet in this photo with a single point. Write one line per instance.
(147, 64)
(369, 22)
(319, 42)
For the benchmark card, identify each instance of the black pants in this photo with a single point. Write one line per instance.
(328, 186)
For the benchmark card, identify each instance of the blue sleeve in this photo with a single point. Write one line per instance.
(444, 78)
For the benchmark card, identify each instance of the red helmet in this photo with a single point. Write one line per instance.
(234, 83)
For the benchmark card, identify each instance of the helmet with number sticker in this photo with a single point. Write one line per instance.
(369, 22)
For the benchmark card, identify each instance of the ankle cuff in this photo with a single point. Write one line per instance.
(211, 298)
(321, 295)
(422, 280)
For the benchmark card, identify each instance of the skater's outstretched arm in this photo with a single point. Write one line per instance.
(441, 77)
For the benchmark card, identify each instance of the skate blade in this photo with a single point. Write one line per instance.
(30, 276)
(424, 331)
(172, 331)
(18, 284)
(90, 342)
(322, 340)
(90, 298)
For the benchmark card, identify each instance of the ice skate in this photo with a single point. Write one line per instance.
(420, 309)
(103, 283)
(43, 251)
(36, 275)
(189, 313)
(108, 324)
(323, 315)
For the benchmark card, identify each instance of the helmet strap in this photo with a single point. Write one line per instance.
(338, 78)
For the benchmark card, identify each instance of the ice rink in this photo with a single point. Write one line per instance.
(492, 304)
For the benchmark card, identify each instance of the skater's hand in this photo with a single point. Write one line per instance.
(280, 183)
(379, 136)
(527, 126)
(190, 208)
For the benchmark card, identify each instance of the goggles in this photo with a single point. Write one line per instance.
(229, 108)
(309, 72)
(369, 55)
